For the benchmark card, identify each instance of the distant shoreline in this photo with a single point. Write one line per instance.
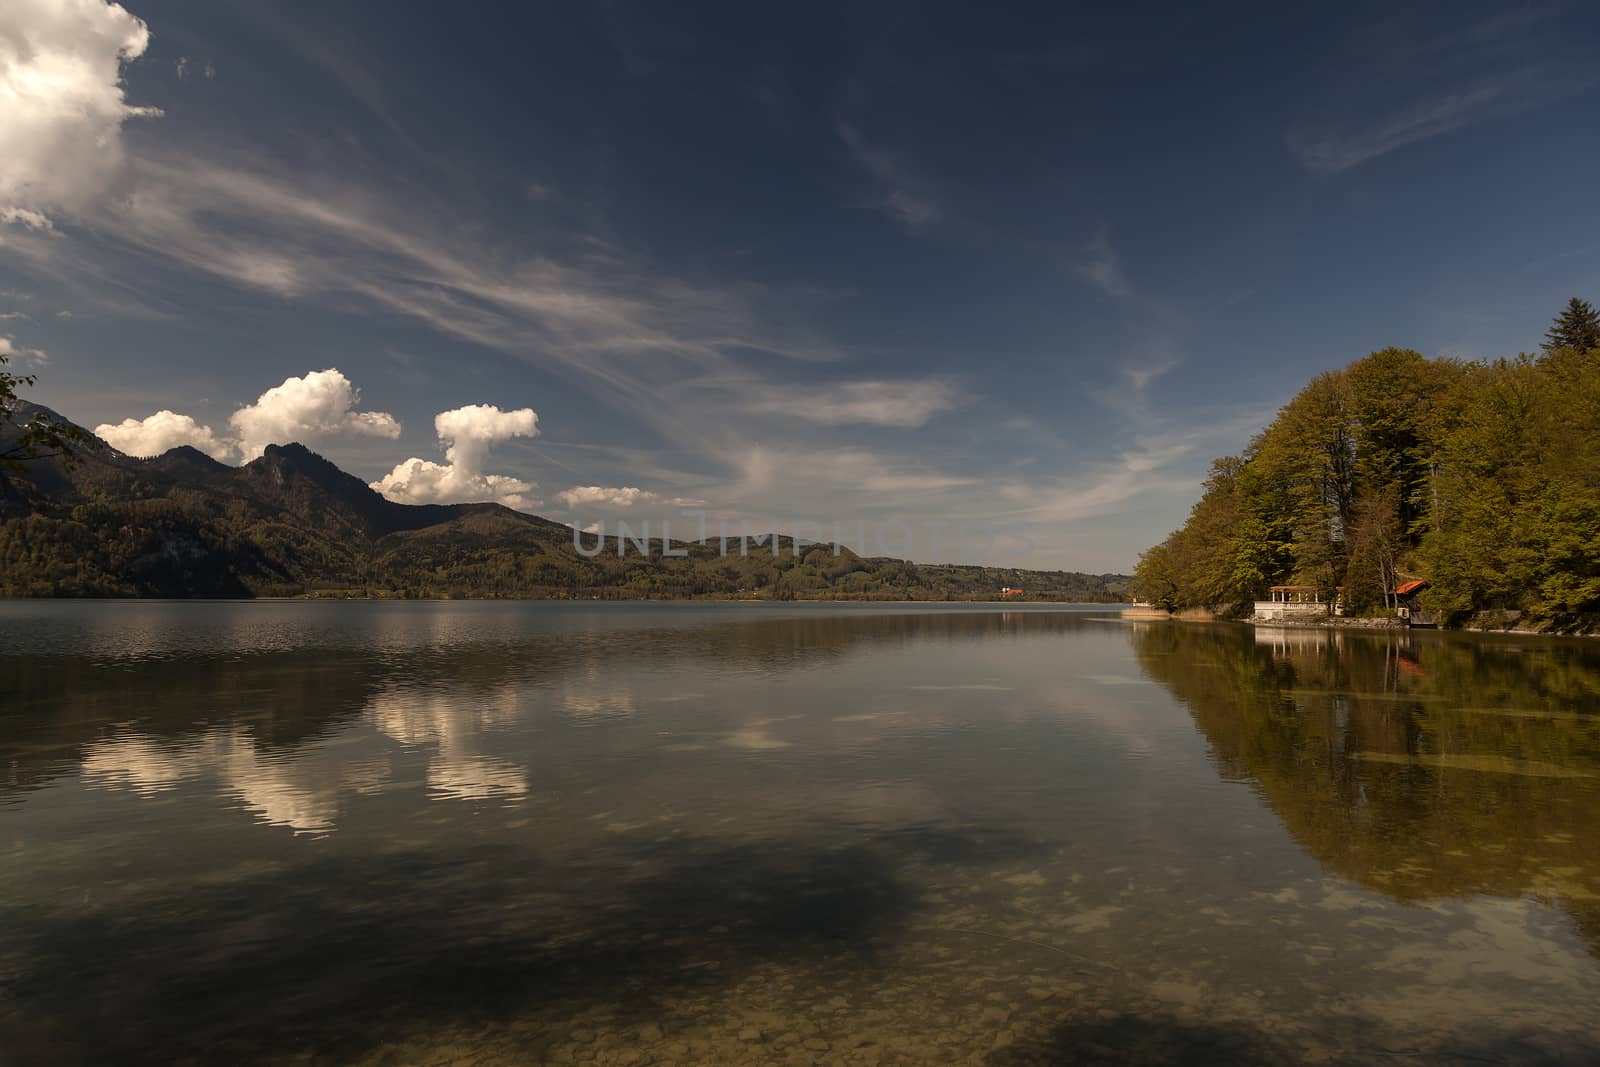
(1374, 625)
(762, 601)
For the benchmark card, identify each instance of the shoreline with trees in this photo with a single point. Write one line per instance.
(1481, 477)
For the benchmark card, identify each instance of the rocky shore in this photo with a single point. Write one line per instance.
(1331, 622)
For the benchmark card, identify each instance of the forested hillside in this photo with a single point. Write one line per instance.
(1481, 477)
(290, 523)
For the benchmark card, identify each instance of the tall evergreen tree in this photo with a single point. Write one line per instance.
(1578, 327)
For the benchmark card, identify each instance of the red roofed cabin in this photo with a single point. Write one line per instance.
(1009, 593)
(1405, 603)
(1411, 588)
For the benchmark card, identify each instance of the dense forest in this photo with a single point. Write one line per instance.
(78, 518)
(1481, 477)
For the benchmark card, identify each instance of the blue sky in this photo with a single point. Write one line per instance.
(1023, 274)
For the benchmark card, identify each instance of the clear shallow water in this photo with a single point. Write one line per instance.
(523, 833)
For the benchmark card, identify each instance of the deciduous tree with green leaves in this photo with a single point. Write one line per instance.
(1482, 477)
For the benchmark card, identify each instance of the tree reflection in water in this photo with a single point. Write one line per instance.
(1420, 765)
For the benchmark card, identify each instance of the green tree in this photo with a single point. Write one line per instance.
(1482, 477)
(1154, 580)
(1303, 477)
(1577, 327)
(1375, 543)
(1567, 533)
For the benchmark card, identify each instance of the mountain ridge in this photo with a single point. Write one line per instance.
(292, 523)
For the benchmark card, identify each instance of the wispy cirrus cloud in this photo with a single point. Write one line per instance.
(845, 478)
(1099, 264)
(1336, 144)
(1154, 464)
(635, 338)
(662, 351)
(1101, 490)
(653, 346)
(1410, 77)
(1153, 325)
(905, 196)
(718, 383)
(906, 404)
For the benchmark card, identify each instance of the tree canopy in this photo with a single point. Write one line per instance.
(1482, 477)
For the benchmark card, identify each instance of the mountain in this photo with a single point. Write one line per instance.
(290, 523)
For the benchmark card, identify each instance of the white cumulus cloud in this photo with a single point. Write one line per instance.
(466, 434)
(21, 216)
(61, 101)
(11, 350)
(160, 432)
(319, 404)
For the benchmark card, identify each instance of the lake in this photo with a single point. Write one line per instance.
(485, 833)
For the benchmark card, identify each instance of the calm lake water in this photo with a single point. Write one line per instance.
(542, 833)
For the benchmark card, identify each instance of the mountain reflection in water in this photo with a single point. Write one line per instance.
(513, 833)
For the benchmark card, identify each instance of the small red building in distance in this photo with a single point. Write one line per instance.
(1407, 605)
(1007, 593)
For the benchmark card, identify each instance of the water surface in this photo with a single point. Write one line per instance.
(550, 833)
